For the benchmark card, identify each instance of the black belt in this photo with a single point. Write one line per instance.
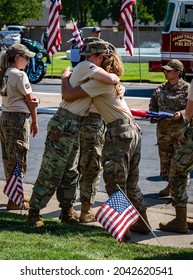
(27, 115)
(119, 122)
(95, 115)
(69, 114)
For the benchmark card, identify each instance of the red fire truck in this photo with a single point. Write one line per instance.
(177, 37)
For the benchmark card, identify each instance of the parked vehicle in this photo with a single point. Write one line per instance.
(11, 29)
(15, 28)
(12, 39)
(36, 68)
(177, 37)
(2, 46)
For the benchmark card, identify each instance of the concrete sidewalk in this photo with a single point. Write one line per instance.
(156, 213)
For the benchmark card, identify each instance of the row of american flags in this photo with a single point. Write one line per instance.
(117, 214)
(54, 37)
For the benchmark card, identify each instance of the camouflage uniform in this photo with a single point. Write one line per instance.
(92, 135)
(170, 99)
(14, 136)
(120, 159)
(87, 176)
(61, 152)
(181, 166)
(122, 147)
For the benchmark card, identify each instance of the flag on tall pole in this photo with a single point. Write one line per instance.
(54, 37)
(77, 37)
(126, 15)
(14, 187)
(117, 214)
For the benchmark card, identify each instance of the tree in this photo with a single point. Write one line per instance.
(17, 11)
(85, 10)
(156, 8)
(147, 10)
(79, 10)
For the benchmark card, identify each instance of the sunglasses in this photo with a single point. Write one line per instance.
(25, 56)
(168, 71)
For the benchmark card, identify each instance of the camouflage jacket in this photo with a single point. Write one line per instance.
(169, 98)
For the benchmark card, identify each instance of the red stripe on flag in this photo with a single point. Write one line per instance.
(54, 37)
(122, 225)
(126, 14)
(13, 188)
(77, 37)
(116, 215)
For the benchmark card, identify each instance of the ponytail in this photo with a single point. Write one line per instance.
(113, 64)
(4, 64)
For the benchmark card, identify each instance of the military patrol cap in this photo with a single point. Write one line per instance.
(19, 49)
(112, 48)
(174, 65)
(96, 29)
(88, 40)
(91, 39)
(98, 47)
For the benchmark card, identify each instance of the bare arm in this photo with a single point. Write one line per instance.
(34, 125)
(105, 77)
(69, 93)
(189, 110)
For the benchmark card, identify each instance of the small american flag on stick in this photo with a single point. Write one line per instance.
(77, 37)
(126, 14)
(14, 187)
(117, 214)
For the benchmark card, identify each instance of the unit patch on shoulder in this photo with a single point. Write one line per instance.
(27, 86)
(92, 66)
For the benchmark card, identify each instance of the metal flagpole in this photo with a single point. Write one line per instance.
(140, 215)
(52, 68)
(138, 39)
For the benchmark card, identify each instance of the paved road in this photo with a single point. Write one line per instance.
(132, 89)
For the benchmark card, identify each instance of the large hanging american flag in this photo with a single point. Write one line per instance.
(126, 14)
(14, 187)
(54, 37)
(117, 214)
(77, 37)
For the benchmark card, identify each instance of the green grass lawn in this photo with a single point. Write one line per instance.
(55, 241)
(132, 71)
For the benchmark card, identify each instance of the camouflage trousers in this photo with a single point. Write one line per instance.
(62, 148)
(92, 136)
(87, 176)
(14, 136)
(181, 166)
(168, 132)
(120, 160)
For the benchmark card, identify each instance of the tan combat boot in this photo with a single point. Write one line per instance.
(165, 191)
(67, 216)
(75, 213)
(34, 218)
(179, 224)
(87, 215)
(140, 226)
(190, 224)
(12, 206)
